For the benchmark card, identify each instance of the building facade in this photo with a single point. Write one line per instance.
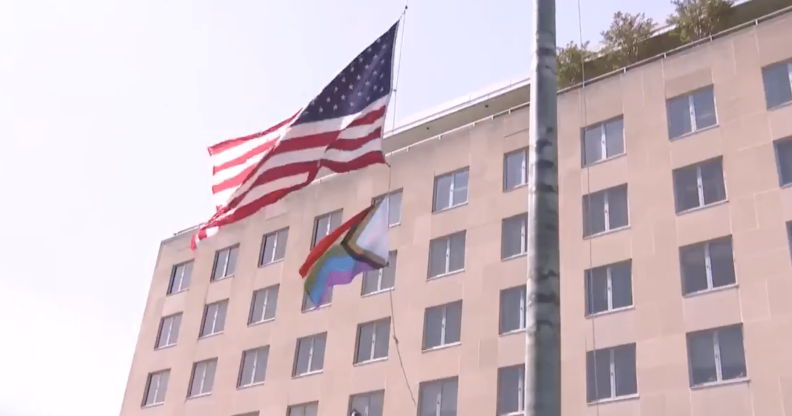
(676, 275)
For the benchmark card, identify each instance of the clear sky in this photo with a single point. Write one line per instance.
(106, 109)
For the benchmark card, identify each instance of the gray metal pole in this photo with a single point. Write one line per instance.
(543, 317)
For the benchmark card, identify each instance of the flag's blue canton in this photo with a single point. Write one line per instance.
(366, 79)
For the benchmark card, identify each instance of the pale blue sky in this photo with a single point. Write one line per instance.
(106, 108)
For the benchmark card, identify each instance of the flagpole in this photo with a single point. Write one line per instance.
(542, 388)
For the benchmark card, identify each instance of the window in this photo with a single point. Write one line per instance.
(608, 288)
(515, 169)
(325, 224)
(225, 263)
(778, 83)
(214, 318)
(511, 390)
(263, 305)
(783, 150)
(514, 236)
(248, 414)
(691, 112)
(610, 373)
(180, 278)
(699, 185)
(605, 210)
(307, 304)
(367, 404)
(254, 367)
(706, 266)
(169, 330)
(273, 248)
(394, 210)
(450, 190)
(375, 281)
(156, 386)
(602, 141)
(203, 376)
(372, 341)
(442, 325)
(512, 309)
(438, 398)
(716, 355)
(447, 254)
(306, 409)
(310, 354)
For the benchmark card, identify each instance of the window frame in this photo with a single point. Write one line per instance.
(707, 266)
(691, 107)
(400, 193)
(717, 357)
(588, 276)
(452, 203)
(613, 373)
(523, 169)
(444, 323)
(315, 239)
(520, 390)
(225, 274)
(253, 382)
(784, 141)
(308, 306)
(393, 259)
(699, 184)
(372, 354)
(206, 363)
(587, 209)
(523, 307)
(788, 64)
(447, 270)
(602, 126)
(172, 318)
(523, 236)
(219, 303)
(277, 234)
(148, 391)
(189, 264)
(266, 290)
(439, 399)
(367, 395)
(311, 353)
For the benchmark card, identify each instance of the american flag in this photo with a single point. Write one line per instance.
(339, 130)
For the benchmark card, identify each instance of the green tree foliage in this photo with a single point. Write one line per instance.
(695, 19)
(570, 63)
(624, 40)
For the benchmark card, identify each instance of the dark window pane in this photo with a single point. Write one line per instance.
(784, 155)
(460, 187)
(221, 260)
(514, 169)
(597, 290)
(365, 338)
(777, 85)
(457, 252)
(678, 117)
(270, 242)
(732, 353)
(594, 213)
(442, 192)
(704, 108)
(394, 213)
(624, 365)
(511, 309)
(702, 358)
(592, 145)
(437, 256)
(448, 399)
(513, 233)
(686, 188)
(712, 181)
(453, 326)
(510, 380)
(389, 272)
(303, 356)
(694, 268)
(614, 137)
(433, 327)
(280, 250)
(382, 332)
(722, 262)
(621, 284)
(429, 398)
(317, 361)
(617, 207)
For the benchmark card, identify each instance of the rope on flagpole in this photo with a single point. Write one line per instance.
(387, 214)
